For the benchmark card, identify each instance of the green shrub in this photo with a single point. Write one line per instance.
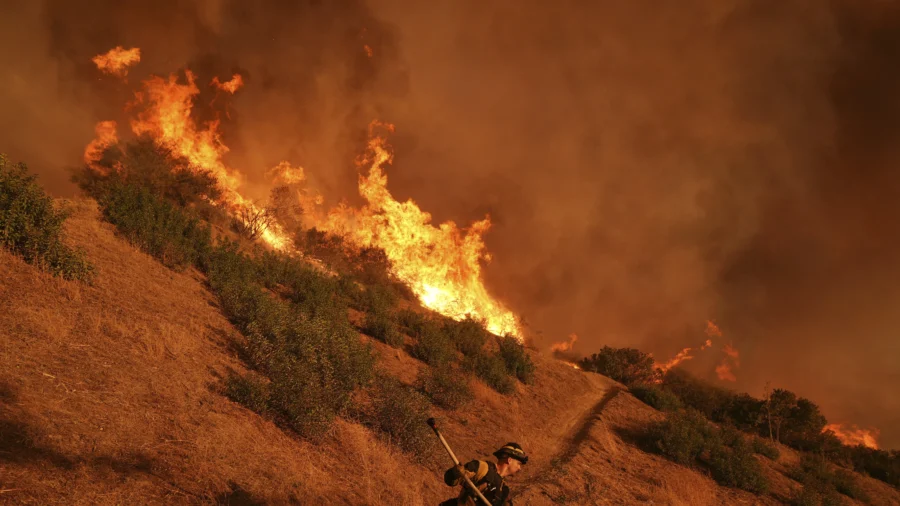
(155, 225)
(682, 436)
(31, 227)
(845, 483)
(249, 390)
(400, 413)
(709, 399)
(381, 326)
(446, 387)
(656, 397)
(468, 335)
(518, 363)
(733, 463)
(765, 448)
(492, 370)
(625, 365)
(432, 345)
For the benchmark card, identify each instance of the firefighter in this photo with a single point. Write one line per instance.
(488, 477)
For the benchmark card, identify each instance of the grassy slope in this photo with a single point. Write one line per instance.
(109, 396)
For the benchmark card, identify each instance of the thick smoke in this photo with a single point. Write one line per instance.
(647, 166)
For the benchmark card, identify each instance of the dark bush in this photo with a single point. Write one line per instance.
(249, 390)
(382, 326)
(625, 365)
(656, 397)
(446, 387)
(155, 225)
(816, 473)
(732, 461)
(468, 335)
(681, 436)
(432, 345)
(845, 482)
(32, 228)
(399, 412)
(517, 361)
(765, 448)
(710, 400)
(492, 370)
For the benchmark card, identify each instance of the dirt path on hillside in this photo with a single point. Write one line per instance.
(576, 434)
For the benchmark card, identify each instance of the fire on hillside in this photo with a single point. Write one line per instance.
(441, 264)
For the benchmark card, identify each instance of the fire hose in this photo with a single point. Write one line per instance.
(431, 423)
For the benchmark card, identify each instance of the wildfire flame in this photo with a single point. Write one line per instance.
(230, 86)
(564, 345)
(731, 360)
(853, 435)
(369, 51)
(106, 136)
(685, 354)
(117, 60)
(441, 264)
(167, 118)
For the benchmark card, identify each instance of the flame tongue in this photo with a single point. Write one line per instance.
(440, 264)
(852, 435)
(117, 60)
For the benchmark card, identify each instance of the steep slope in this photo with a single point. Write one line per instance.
(110, 394)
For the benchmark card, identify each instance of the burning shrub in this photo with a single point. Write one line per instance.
(625, 365)
(518, 363)
(399, 412)
(381, 326)
(654, 396)
(155, 225)
(765, 448)
(492, 370)
(733, 463)
(148, 164)
(250, 222)
(468, 335)
(447, 388)
(31, 227)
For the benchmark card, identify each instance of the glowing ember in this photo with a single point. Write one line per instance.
(441, 264)
(230, 86)
(712, 330)
(369, 51)
(852, 435)
(106, 137)
(572, 364)
(564, 345)
(117, 60)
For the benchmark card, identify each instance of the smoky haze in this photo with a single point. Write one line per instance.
(646, 167)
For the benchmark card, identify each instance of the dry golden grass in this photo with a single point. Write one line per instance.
(109, 394)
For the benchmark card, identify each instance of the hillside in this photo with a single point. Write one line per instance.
(111, 394)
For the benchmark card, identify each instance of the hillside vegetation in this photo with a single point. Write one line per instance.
(192, 367)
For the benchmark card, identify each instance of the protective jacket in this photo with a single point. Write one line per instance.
(485, 477)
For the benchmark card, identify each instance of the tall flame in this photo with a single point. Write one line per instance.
(441, 264)
(731, 361)
(685, 354)
(853, 435)
(117, 60)
(565, 345)
(167, 118)
(106, 137)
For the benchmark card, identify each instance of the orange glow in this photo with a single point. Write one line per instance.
(369, 51)
(852, 435)
(731, 361)
(106, 136)
(572, 365)
(564, 345)
(441, 264)
(117, 60)
(231, 86)
(679, 357)
(712, 330)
